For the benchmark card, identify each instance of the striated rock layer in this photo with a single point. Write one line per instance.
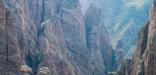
(51, 37)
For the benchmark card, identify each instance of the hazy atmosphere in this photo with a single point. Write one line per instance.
(77, 37)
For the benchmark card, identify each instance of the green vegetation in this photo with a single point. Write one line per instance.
(34, 60)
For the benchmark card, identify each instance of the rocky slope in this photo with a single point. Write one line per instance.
(51, 37)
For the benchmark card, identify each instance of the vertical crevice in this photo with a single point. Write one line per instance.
(36, 56)
(154, 3)
(6, 28)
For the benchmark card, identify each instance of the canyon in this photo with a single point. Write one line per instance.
(51, 37)
(61, 37)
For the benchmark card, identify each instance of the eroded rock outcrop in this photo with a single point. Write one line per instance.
(25, 70)
(44, 71)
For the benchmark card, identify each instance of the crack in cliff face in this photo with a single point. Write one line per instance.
(7, 51)
(33, 61)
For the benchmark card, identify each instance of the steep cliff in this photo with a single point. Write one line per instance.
(9, 48)
(135, 66)
(50, 37)
(123, 19)
(98, 40)
(144, 58)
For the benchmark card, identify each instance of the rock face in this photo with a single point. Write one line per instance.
(136, 66)
(149, 61)
(97, 38)
(123, 20)
(51, 37)
(138, 60)
(9, 49)
(144, 59)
